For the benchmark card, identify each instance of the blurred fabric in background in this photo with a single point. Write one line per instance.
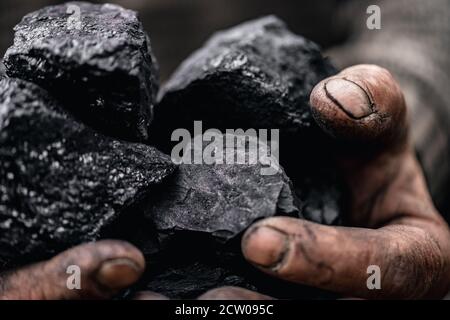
(414, 43)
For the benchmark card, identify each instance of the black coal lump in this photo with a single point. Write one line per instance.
(100, 64)
(223, 199)
(255, 75)
(61, 183)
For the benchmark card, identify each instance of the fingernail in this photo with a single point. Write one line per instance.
(265, 246)
(350, 97)
(118, 273)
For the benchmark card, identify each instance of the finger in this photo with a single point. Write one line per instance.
(232, 293)
(337, 258)
(362, 103)
(106, 267)
(149, 295)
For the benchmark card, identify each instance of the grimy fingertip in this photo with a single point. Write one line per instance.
(361, 104)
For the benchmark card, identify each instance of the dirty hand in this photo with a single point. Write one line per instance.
(395, 225)
(106, 267)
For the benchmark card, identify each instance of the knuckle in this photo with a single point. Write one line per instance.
(417, 265)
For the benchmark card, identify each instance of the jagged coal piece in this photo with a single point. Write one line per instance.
(225, 197)
(255, 75)
(97, 59)
(61, 183)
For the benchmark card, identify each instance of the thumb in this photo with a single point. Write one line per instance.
(409, 259)
(106, 267)
(361, 104)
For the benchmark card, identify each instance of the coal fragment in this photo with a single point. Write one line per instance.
(61, 183)
(255, 75)
(99, 64)
(223, 198)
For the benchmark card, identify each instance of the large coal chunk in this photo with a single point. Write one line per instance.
(97, 59)
(255, 75)
(61, 183)
(225, 197)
